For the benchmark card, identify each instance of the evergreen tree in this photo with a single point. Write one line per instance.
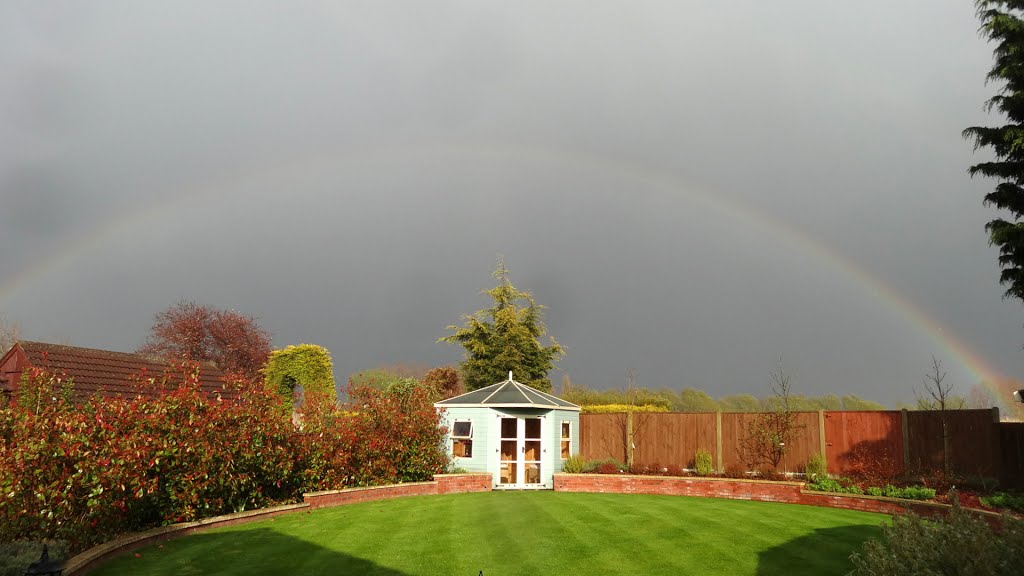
(1001, 22)
(505, 337)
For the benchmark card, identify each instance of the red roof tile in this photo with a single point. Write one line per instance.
(112, 374)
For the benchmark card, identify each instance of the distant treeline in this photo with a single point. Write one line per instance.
(693, 400)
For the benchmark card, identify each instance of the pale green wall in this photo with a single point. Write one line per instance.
(486, 430)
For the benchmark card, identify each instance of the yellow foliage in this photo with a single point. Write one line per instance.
(617, 408)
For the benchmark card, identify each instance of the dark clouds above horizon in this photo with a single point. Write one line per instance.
(693, 189)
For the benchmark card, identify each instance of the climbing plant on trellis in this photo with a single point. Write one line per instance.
(305, 365)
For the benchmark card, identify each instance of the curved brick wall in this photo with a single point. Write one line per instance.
(739, 489)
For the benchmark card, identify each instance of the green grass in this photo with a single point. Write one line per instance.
(529, 533)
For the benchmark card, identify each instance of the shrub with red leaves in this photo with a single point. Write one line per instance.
(675, 470)
(86, 473)
(378, 437)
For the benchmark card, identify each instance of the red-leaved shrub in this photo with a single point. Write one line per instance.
(378, 437)
(87, 472)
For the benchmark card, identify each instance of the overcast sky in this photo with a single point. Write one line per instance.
(693, 189)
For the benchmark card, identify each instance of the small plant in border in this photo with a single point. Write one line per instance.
(815, 468)
(702, 463)
(574, 464)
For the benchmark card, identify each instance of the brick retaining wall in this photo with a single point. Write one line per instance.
(459, 483)
(740, 489)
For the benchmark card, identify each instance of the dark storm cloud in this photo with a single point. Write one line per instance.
(692, 188)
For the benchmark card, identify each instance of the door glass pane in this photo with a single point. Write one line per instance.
(532, 452)
(532, 473)
(508, 427)
(508, 473)
(533, 428)
(508, 450)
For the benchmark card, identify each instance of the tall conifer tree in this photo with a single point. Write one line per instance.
(1001, 22)
(506, 337)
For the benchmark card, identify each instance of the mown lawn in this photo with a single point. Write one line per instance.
(528, 533)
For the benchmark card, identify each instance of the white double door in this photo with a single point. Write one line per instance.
(520, 452)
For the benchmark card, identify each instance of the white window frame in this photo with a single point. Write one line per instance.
(561, 438)
(468, 438)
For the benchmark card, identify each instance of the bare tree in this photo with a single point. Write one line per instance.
(769, 433)
(938, 395)
(632, 422)
(10, 332)
(980, 397)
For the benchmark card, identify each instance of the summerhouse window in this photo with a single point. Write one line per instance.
(566, 438)
(462, 439)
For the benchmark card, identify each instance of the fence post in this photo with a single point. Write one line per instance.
(718, 441)
(997, 449)
(906, 441)
(821, 437)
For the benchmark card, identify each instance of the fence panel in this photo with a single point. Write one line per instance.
(602, 436)
(806, 440)
(673, 438)
(979, 447)
(1011, 443)
(859, 440)
(974, 442)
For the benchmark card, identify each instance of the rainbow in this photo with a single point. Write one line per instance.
(124, 225)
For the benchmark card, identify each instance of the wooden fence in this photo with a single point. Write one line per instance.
(896, 441)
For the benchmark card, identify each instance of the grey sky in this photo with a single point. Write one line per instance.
(692, 188)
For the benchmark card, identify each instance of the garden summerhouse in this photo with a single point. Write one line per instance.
(519, 435)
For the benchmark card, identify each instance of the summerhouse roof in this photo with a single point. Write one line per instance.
(507, 394)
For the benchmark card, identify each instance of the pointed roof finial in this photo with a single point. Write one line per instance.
(510, 376)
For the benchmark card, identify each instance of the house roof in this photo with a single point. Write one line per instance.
(507, 394)
(109, 373)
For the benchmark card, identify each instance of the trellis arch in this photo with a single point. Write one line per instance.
(306, 365)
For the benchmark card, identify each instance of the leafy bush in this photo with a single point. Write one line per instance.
(574, 464)
(653, 469)
(962, 543)
(909, 492)
(702, 462)
(815, 467)
(873, 463)
(837, 485)
(84, 473)
(596, 465)
(734, 471)
(380, 437)
(1004, 500)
